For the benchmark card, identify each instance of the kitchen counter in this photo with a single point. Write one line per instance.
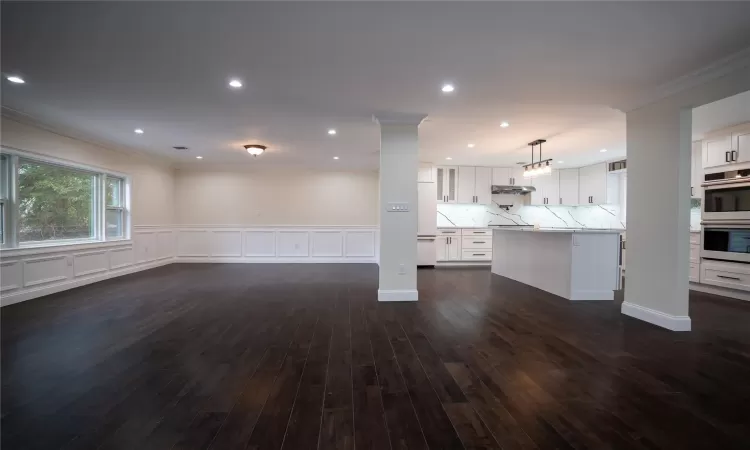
(576, 264)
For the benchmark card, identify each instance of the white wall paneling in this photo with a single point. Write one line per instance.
(260, 243)
(195, 243)
(226, 243)
(33, 272)
(328, 243)
(293, 243)
(360, 244)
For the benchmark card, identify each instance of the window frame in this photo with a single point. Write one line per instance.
(99, 207)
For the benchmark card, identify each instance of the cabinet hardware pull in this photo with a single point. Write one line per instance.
(478, 232)
(734, 155)
(478, 242)
(561, 200)
(726, 156)
(728, 278)
(478, 254)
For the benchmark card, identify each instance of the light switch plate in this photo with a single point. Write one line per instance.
(397, 207)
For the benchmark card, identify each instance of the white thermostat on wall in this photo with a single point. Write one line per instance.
(397, 207)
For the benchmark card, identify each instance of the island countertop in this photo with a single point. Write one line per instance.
(558, 230)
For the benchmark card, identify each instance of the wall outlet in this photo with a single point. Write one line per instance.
(401, 269)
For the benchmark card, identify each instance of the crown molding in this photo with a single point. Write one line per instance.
(717, 69)
(70, 133)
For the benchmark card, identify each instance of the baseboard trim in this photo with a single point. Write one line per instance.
(29, 294)
(664, 320)
(606, 295)
(404, 295)
(721, 291)
(271, 260)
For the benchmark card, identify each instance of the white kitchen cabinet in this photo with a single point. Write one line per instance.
(741, 144)
(501, 176)
(547, 189)
(517, 178)
(568, 186)
(448, 248)
(592, 184)
(474, 185)
(446, 178)
(426, 173)
(717, 151)
(696, 170)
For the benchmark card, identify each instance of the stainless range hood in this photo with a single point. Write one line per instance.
(514, 190)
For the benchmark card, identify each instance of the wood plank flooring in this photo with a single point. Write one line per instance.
(249, 356)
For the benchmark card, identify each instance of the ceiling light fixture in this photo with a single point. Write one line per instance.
(198, 157)
(332, 132)
(449, 158)
(561, 162)
(504, 124)
(540, 167)
(447, 88)
(335, 157)
(255, 149)
(235, 83)
(15, 79)
(470, 145)
(138, 131)
(603, 150)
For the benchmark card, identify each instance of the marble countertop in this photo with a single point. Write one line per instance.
(561, 230)
(472, 227)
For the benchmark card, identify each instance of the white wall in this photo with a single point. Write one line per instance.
(152, 180)
(275, 197)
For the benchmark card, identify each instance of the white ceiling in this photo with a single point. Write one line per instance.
(553, 70)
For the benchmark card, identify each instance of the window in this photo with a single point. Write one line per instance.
(45, 202)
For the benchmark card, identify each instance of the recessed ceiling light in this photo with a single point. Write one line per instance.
(16, 79)
(198, 157)
(331, 131)
(470, 145)
(448, 88)
(603, 150)
(504, 124)
(335, 157)
(560, 162)
(138, 131)
(235, 83)
(449, 158)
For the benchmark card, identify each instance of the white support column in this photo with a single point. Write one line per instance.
(658, 220)
(399, 163)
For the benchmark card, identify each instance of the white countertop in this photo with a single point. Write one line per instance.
(561, 230)
(474, 227)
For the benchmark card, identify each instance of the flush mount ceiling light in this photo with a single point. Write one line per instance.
(138, 131)
(235, 83)
(470, 145)
(448, 88)
(332, 132)
(449, 158)
(15, 79)
(335, 157)
(198, 157)
(504, 124)
(561, 162)
(540, 167)
(603, 150)
(255, 149)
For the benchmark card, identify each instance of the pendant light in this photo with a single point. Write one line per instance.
(540, 167)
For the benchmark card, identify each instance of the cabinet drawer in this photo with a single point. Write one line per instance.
(449, 232)
(695, 270)
(476, 255)
(695, 238)
(725, 275)
(475, 232)
(695, 253)
(478, 242)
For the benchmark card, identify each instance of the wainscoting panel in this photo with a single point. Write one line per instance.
(11, 275)
(327, 244)
(165, 244)
(145, 246)
(360, 244)
(194, 243)
(90, 263)
(260, 243)
(121, 257)
(293, 243)
(226, 243)
(45, 269)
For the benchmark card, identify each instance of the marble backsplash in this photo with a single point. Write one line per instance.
(584, 216)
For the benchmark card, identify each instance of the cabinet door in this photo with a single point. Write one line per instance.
(568, 186)
(552, 188)
(441, 245)
(716, 151)
(516, 177)
(537, 196)
(482, 185)
(466, 182)
(741, 143)
(500, 176)
(593, 184)
(454, 248)
(440, 180)
(451, 181)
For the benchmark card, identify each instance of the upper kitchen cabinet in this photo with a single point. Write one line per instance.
(474, 185)
(507, 176)
(741, 143)
(696, 170)
(426, 173)
(547, 189)
(568, 186)
(447, 180)
(596, 186)
(718, 151)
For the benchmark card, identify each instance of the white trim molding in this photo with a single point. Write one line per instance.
(401, 295)
(664, 320)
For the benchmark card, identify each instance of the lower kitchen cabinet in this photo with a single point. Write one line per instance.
(464, 244)
(448, 248)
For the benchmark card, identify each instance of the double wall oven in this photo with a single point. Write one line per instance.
(725, 216)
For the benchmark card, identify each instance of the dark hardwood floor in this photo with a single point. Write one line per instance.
(245, 356)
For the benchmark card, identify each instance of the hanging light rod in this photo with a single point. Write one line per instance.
(540, 167)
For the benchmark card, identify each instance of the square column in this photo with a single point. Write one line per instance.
(399, 163)
(658, 220)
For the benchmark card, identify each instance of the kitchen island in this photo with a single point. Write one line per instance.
(576, 264)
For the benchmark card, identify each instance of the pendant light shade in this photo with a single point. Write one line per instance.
(254, 149)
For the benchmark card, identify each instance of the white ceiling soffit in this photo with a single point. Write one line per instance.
(553, 70)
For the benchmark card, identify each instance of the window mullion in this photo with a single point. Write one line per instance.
(13, 217)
